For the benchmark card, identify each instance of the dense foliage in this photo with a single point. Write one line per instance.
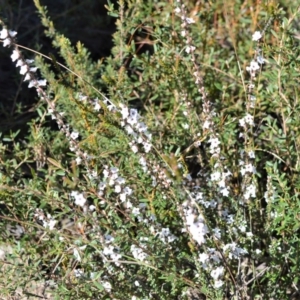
(166, 170)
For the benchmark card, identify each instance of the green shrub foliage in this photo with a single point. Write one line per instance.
(168, 170)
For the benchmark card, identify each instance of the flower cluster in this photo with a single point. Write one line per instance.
(111, 251)
(139, 252)
(166, 236)
(25, 65)
(246, 121)
(29, 73)
(195, 223)
(46, 220)
(112, 178)
(247, 169)
(219, 175)
(136, 129)
(209, 262)
(7, 36)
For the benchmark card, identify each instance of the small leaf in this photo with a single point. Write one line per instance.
(54, 163)
(98, 285)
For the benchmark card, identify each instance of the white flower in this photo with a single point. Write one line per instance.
(248, 168)
(190, 49)
(116, 257)
(92, 174)
(230, 219)
(32, 83)
(141, 127)
(92, 207)
(203, 257)
(257, 251)
(27, 77)
(120, 180)
(217, 273)
(177, 10)
(127, 190)
(260, 59)
(190, 20)
(33, 69)
(102, 186)
(133, 147)
(251, 154)
(123, 197)
(214, 142)
(136, 211)
(78, 160)
(24, 69)
(12, 33)
(206, 124)
(250, 191)
(218, 283)
(15, 55)
(252, 100)
(222, 183)
(82, 97)
(215, 176)
(110, 106)
(225, 192)
(78, 273)
(242, 228)
(79, 198)
(108, 250)
(133, 113)
(97, 105)
(42, 82)
(249, 234)
(143, 161)
(74, 135)
(256, 36)
(6, 42)
(108, 238)
(3, 33)
(254, 66)
(107, 286)
(147, 147)
(20, 63)
(124, 111)
(128, 204)
(129, 129)
(117, 188)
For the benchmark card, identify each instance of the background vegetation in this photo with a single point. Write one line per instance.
(160, 161)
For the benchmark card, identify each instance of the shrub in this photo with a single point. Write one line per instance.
(168, 170)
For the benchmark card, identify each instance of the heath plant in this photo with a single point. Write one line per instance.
(168, 170)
